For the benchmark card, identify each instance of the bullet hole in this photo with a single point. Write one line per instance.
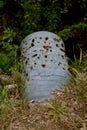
(62, 45)
(62, 50)
(47, 47)
(32, 40)
(30, 47)
(34, 50)
(24, 58)
(24, 48)
(63, 68)
(50, 50)
(41, 50)
(62, 56)
(59, 63)
(31, 67)
(46, 38)
(26, 62)
(64, 64)
(43, 65)
(56, 40)
(45, 42)
(69, 69)
(32, 44)
(38, 42)
(57, 45)
(35, 63)
(34, 55)
(38, 57)
(51, 60)
(40, 37)
(26, 74)
(45, 56)
(25, 42)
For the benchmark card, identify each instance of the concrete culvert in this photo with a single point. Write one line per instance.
(45, 65)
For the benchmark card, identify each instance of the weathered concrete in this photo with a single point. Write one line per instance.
(45, 64)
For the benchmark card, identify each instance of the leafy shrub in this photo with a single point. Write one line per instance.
(72, 31)
(8, 51)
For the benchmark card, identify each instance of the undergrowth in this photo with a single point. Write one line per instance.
(67, 111)
(69, 108)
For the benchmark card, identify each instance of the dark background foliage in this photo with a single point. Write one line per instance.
(18, 18)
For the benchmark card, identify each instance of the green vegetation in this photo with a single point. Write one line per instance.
(19, 18)
(68, 19)
(69, 108)
(67, 111)
(8, 55)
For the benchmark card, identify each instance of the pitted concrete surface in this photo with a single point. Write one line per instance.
(45, 64)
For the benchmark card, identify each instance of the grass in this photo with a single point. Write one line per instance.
(67, 111)
(69, 108)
